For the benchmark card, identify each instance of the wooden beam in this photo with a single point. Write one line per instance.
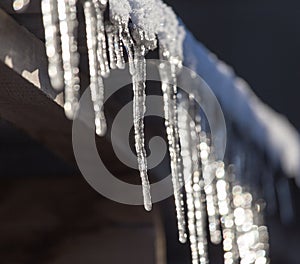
(25, 54)
(27, 98)
(30, 109)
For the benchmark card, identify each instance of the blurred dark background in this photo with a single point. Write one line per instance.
(260, 40)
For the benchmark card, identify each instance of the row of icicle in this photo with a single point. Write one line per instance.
(232, 216)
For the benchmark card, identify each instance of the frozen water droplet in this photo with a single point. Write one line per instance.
(20, 5)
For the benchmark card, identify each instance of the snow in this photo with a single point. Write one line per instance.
(155, 18)
(270, 130)
(120, 8)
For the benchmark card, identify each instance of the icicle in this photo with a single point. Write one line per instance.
(53, 47)
(209, 184)
(226, 213)
(119, 48)
(70, 57)
(139, 108)
(199, 199)
(137, 50)
(96, 82)
(111, 46)
(137, 68)
(137, 65)
(169, 89)
(100, 7)
(115, 46)
(185, 139)
(252, 237)
(128, 44)
(262, 247)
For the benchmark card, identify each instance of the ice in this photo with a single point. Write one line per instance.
(119, 48)
(226, 212)
(252, 235)
(96, 82)
(50, 20)
(137, 68)
(139, 108)
(67, 14)
(185, 136)
(169, 89)
(111, 46)
(101, 46)
(133, 28)
(208, 172)
(197, 179)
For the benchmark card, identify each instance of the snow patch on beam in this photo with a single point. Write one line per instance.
(270, 130)
(155, 18)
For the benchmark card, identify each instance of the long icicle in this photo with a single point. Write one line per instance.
(139, 108)
(53, 45)
(119, 47)
(128, 44)
(96, 82)
(185, 137)
(110, 31)
(100, 7)
(137, 67)
(115, 46)
(198, 192)
(211, 201)
(169, 89)
(68, 23)
(209, 183)
(226, 213)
